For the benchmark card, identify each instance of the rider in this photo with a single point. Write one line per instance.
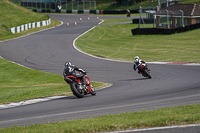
(74, 71)
(137, 63)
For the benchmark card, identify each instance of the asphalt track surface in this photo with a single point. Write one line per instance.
(171, 85)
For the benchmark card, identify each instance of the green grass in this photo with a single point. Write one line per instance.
(112, 5)
(189, 1)
(12, 15)
(189, 114)
(116, 21)
(116, 42)
(119, 20)
(19, 83)
(8, 35)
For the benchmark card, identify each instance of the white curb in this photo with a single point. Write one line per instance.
(155, 128)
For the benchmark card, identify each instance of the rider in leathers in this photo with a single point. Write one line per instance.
(74, 71)
(137, 63)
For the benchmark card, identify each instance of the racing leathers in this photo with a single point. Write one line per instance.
(136, 64)
(76, 72)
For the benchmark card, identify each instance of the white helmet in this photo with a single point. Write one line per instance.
(68, 63)
(137, 57)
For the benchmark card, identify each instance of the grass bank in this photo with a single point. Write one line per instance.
(13, 15)
(116, 42)
(161, 117)
(19, 83)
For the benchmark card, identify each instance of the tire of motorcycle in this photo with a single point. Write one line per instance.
(93, 93)
(76, 91)
(148, 74)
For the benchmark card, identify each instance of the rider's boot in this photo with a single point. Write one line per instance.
(84, 86)
(139, 71)
(80, 86)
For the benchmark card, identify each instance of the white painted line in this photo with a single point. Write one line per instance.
(98, 109)
(193, 64)
(4, 106)
(155, 128)
(90, 54)
(104, 87)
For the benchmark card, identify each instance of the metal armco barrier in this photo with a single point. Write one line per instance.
(29, 26)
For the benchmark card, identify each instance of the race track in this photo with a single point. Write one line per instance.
(171, 85)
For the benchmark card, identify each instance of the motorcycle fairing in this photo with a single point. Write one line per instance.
(142, 67)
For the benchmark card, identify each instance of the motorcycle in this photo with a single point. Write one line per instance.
(144, 70)
(77, 88)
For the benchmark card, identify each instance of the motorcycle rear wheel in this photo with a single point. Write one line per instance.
(79, 93)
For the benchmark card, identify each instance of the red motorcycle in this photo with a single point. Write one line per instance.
(78, 89)
(144, 70)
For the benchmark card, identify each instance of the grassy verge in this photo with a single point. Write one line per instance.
(116, 42)
(13, 15)
(18, 83)
(161, 117)
(116, 21)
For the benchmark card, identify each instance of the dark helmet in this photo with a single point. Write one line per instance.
(68, 63)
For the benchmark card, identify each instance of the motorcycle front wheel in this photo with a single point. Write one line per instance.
(147, 73)
(76, 91)
(93, 93)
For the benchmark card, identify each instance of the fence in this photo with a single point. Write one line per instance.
(57, 4)
(162, 31)
(166, 3)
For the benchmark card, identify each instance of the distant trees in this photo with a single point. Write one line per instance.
(122, 2)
